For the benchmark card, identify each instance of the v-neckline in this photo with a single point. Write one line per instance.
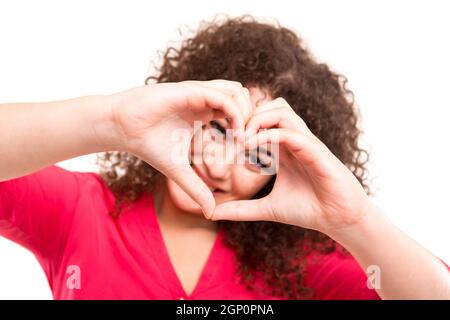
(167, 268)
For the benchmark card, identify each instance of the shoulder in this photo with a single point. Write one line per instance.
(83, 187)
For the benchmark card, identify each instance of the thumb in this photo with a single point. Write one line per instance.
(244, 210)
(191, 183)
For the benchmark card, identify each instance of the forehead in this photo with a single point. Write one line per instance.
(258, 96)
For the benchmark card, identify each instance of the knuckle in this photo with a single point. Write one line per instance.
(237, 84)
(188, 82)
(281, 100)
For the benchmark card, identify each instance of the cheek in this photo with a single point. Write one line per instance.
(181, 199)
(247, 183)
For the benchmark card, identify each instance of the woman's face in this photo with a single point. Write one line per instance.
(231, 172)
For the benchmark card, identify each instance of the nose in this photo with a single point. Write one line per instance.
(218, 158)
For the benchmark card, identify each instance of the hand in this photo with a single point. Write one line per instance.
(149, 118)
(313, 189)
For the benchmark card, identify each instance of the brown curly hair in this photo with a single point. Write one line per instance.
(274, 58)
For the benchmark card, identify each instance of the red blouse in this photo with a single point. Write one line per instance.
(63, 218)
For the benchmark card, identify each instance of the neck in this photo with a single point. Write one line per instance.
(169, 215)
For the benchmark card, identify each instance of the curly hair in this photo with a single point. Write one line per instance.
(273, 58)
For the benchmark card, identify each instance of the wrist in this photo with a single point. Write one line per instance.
(121, 114)
(365, 230)
(104, 133)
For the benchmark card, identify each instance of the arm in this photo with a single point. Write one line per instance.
(37, 210)
(407, 270)
(35, 135)
(314, 190)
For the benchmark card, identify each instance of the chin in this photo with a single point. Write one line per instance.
(181, 199)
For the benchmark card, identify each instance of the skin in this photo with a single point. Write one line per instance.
(181, 220)
(237, 181)
(135, 121)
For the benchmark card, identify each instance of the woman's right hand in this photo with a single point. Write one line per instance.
(149, 119)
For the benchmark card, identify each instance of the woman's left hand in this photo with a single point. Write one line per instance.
(313, 189)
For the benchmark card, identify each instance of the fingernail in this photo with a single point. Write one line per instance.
(207, 214)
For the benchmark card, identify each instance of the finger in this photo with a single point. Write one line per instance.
(201, 97)
(306, 149)
(237, 91)
(194, 186)
(232, 88)
(244, 210)
(279, 105)
(249, 110)
(249, 102)
(275, 103)
(279, 117)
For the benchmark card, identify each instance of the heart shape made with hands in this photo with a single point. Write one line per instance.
(225, 149)
(262, 132)
(310, 179)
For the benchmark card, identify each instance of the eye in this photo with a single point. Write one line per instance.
(218, 127)
(256, 160)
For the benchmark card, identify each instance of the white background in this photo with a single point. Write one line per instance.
(395, 54)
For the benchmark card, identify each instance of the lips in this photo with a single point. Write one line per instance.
(214, 188)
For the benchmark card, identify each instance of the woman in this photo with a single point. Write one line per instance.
(170, 218)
